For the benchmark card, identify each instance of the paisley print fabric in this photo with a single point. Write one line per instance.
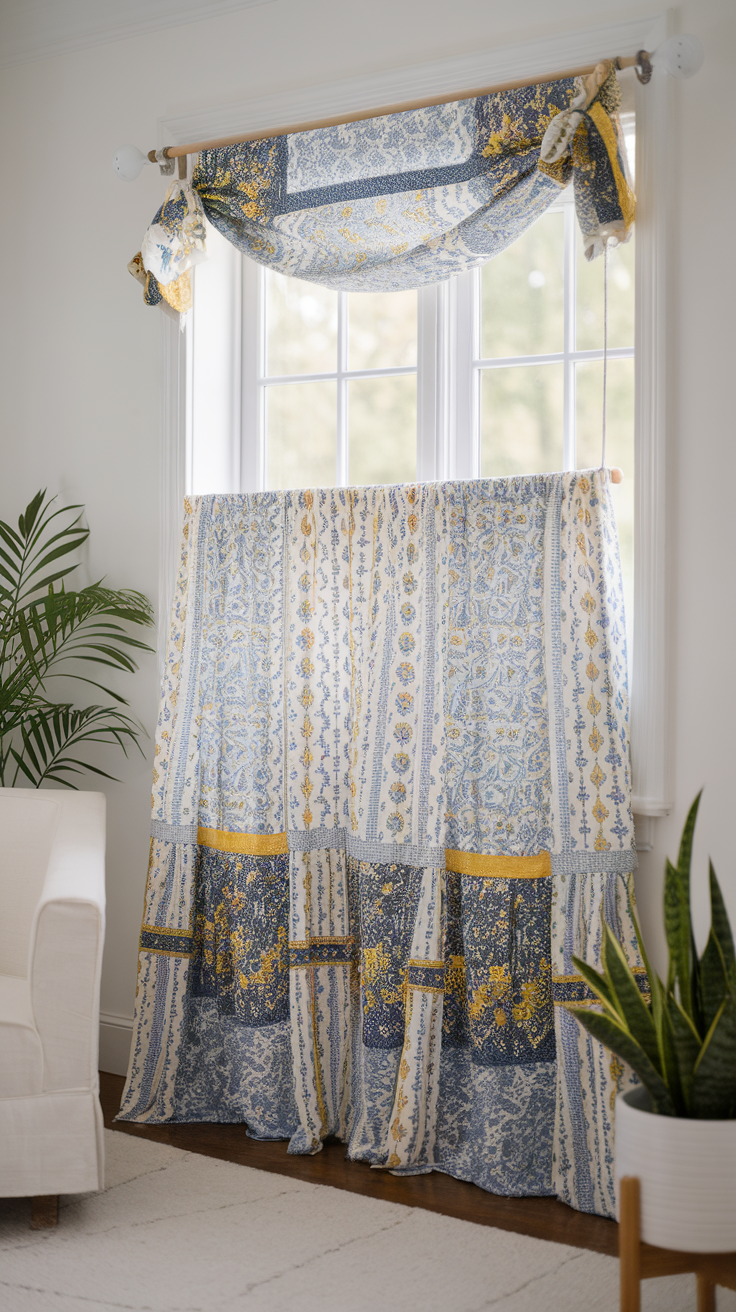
(405, 200)
(391, 797)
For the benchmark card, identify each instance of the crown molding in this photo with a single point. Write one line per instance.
(40, 29)
(536, 58)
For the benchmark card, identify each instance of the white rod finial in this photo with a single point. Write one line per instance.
(128, 162)
(680, 56)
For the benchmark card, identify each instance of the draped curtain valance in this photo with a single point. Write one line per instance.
(391, 798)
(401, 201)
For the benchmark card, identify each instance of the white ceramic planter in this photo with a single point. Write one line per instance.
(687, 1171)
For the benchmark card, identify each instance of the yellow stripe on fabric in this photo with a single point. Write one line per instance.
(498, 867)
(163, 929)
(162, 952)
(578, 979)
(625, 194)
(245, 844)
(312, 965)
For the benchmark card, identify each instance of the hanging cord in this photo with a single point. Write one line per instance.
(605, 350)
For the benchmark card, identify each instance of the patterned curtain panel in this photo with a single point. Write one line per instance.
(402, 201)
(391, 797)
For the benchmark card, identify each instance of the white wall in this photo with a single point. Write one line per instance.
(80, 355)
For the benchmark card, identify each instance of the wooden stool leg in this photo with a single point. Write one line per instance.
(706, 1294)
(628, 1244)
(44, 1211)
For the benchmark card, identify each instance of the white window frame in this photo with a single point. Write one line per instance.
(446, 418)
(449, 364)
(256, 381)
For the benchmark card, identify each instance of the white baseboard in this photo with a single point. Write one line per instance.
(116, 1033)
(644, 832)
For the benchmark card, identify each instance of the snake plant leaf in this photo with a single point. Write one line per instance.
(714, 1080)
(692, 1071)
(689, 983)
(684, 856)
(677, 930)
(687, 1044)
(633, 1010)
(714, 979)
(655, 984)
(598, 984)
(614, 1037)
(721, 927)
(670, 1066)
(696, 987)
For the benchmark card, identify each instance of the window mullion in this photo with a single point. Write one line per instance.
(429, 388)
(569, 455)
(342, 453)
(252, 360)
(465, 448)
(187, 346)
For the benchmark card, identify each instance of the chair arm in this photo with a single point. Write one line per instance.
(66, 946)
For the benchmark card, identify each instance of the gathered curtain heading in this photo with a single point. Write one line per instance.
(399, 202)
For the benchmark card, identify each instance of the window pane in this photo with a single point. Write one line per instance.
(382, 416)
(522, 293)
(301, 422)
(590, 297)
(301, 326)
(619, 449)
(382, 330)
(521, 418)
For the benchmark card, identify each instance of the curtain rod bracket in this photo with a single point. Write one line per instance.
(164, 161)
(643, 67)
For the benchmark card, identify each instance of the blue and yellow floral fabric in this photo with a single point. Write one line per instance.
(409, 199)
(391, 795)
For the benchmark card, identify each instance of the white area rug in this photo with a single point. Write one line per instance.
(177, 1232)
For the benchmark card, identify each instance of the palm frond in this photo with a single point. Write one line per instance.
(49, 736)
(49, 631)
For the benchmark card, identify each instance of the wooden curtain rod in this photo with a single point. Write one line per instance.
(642, 60)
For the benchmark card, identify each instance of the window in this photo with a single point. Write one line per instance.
(340, 388)
(339, 384)
(222, 406)
(538, 361)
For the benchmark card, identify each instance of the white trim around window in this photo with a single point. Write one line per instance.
(447, 426)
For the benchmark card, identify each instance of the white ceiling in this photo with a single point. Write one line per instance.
(36, 29)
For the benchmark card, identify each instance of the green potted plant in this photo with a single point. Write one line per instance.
(48, 632)
(677, 1132)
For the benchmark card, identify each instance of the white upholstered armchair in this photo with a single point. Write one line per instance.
(52, 927)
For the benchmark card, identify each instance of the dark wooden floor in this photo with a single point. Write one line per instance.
(542, 1218)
